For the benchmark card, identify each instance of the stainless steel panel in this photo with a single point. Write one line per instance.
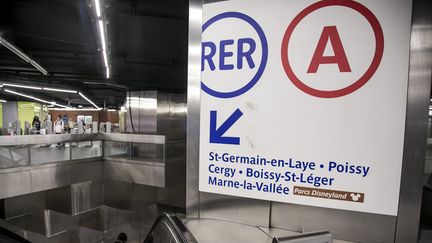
(216, 231)
(66, 236)
(177, 116)
(45, 139)
(174, 193)
(344, 225)
(236, 209)
(104, 218)
(419, 87)
(193, 107)
(143, 196)
(59, 176)
(118, 194)
(163, 114)
(148, 111)
(133, 138)
(152, 175)
(45, 222)
(76, 198)
(17, 230)
(19, 205)
(15, 183)
(133, 115)
(275, 232)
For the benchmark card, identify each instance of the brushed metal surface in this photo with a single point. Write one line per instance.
(45, 139)
(152, 175)
(216, 231)
(419, 87)
(236, 209)
(15, 183)
(155, 112)
(104, 218)
(118, 194)
(62, 237)
(76, 198)
(59, 176)
(65, 138)
(193, 107)
(45, 222)
(19, 205)
(133, 138)
(344, 225)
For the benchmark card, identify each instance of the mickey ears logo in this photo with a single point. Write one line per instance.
(355, 197)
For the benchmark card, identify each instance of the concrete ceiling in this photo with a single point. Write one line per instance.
(147, 41)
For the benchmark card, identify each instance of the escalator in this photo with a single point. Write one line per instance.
(168, 228)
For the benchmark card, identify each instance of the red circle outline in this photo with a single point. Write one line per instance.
(379, 50)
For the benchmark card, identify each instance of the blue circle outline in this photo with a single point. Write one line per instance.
(262, 66)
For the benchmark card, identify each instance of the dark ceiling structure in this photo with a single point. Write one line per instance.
(146, 41)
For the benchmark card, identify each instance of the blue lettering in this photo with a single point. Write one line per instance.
(224, 54)
(245, 54)
(208, 56)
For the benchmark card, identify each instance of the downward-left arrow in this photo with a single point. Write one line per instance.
(216, 134)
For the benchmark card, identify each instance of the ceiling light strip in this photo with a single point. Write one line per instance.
(91, 102)
(22, 55)
(74, 109)
(98, 9)
(34, 98)
(22, 86)
(61, 90)
(102, 34)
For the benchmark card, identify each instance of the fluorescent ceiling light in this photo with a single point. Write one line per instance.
(102, 35)
(98, 9)
(105, 57)
(111, 110)
(60, 90)
(34, 98)
(22, 55)
(3, 101)
(91, 102)
(14, 49)
(74, 109)
(39, 67)
(23, 86)
(107, 72)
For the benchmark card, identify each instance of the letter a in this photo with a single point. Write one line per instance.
(340, 58)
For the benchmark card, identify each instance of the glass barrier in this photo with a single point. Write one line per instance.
(13, 156)
(85, 150)
(116, 149)
(32, 150)
(48, 153)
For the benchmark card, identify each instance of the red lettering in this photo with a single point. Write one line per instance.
(339, 58)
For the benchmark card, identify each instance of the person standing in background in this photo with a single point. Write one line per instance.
(58, 125)
(58, 128)
(71, 125)
(36, 124)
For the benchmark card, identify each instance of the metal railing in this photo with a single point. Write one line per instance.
(313, 237)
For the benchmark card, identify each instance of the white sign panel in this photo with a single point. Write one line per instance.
(304, 101)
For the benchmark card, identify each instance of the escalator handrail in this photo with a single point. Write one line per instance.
(175, 224)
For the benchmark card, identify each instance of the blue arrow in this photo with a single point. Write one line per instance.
(216, 134)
